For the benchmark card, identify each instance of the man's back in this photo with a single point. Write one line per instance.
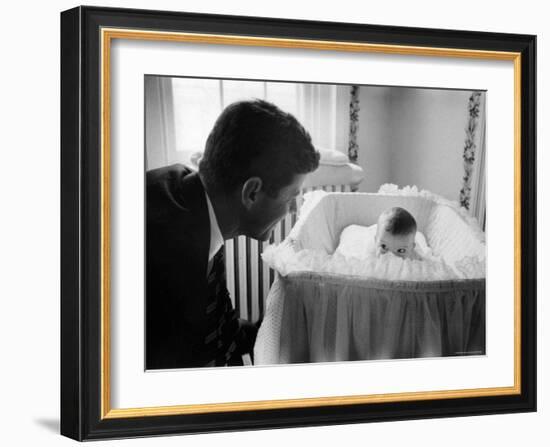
(177, 244)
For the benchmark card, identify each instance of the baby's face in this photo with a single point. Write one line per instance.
(400, 245)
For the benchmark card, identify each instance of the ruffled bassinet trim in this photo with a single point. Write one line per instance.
(390, 189)
(288, 257)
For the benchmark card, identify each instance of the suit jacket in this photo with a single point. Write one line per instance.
(177, 244)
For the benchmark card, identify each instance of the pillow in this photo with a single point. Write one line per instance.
(196, 158)
(332, 157)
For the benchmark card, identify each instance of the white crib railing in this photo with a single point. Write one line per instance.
(248, 278)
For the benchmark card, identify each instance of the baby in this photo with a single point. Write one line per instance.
(395, 232)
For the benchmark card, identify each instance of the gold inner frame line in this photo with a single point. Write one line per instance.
(107, 35)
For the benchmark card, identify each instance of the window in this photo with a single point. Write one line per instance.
(180, 112)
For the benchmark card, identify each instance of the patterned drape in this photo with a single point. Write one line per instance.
(353, 147)
(470, 149)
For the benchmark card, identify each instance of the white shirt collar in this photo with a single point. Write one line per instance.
(216, 238)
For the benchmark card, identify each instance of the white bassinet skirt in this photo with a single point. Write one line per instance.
(314, 318)
(318, 312)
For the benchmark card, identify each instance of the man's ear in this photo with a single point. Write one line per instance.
(250, 190)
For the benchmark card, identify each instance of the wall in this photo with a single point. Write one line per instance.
(428, 142)
(29, 228)
(374, 136)
(413, 137)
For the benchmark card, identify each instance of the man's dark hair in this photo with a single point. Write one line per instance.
(256, 138)
(398, 221)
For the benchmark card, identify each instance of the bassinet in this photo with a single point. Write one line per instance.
(316, 314)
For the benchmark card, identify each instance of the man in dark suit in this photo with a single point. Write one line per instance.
(255, 161)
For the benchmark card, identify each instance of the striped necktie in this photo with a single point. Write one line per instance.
(222, 320)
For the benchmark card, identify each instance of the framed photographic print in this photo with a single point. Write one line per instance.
(276, 223)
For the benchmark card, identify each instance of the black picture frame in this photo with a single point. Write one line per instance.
(82, 413)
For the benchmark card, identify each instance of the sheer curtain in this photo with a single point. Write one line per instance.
(323, 110)
(180, 112)
(160, 138)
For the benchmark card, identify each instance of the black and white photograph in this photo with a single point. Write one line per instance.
(283, 223)
(297, 222)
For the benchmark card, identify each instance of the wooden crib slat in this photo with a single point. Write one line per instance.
(277, 234)
(230, 271)
(262, 273)
(282, 229)
(247, 259)
(275, 239)
(266, 274)
(253, 291)
(242, 273)
(236, 276)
